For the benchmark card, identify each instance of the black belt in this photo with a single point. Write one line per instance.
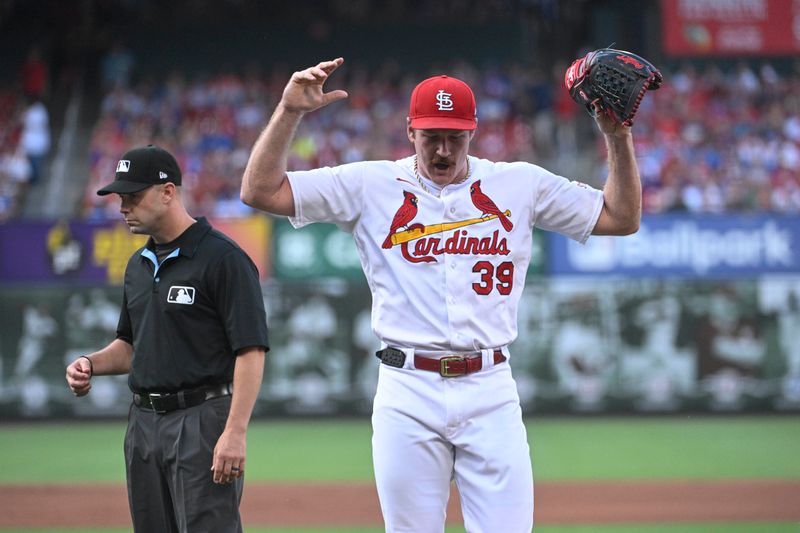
(164, 402)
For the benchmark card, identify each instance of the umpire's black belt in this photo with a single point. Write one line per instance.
(164, 402)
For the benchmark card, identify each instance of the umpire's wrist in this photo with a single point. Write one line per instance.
(91, 365)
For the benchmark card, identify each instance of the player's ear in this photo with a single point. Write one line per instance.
(409, 130)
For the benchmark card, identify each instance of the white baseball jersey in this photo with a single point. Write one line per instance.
(446, 272)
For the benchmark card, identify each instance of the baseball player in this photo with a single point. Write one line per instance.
(444, 240)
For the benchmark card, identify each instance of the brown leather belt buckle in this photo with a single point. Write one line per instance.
(444, 366)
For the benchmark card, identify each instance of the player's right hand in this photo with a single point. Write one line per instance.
(304, 92)
(79, 375)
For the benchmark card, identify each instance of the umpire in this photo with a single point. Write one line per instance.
(192, 335)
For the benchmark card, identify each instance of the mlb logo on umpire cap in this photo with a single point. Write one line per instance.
(142, 167)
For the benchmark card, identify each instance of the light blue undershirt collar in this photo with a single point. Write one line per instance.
(153, 259)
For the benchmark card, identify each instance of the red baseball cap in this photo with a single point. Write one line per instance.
(442, 102)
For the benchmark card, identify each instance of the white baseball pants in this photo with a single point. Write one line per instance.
(429, 430)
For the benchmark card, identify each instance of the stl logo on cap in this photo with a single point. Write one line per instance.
(123, 166)
(443, 101)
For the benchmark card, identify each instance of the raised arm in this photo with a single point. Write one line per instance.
(264, 184)
(622, 194)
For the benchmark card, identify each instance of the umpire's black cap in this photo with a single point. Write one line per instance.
(142, 167)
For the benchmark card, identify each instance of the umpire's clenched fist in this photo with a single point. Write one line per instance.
(79, 375)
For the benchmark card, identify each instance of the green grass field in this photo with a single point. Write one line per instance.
(562, 449)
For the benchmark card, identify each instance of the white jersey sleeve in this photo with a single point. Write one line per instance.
(567, 207)
(554, 203)
(328, 195)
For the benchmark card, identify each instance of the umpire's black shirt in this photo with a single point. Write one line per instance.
(188, 317)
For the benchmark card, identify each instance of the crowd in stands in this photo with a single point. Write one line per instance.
(708, 141)
(715, 141)
(24, 133)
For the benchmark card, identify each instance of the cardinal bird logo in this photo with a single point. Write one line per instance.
(487, 206)
(404, 215)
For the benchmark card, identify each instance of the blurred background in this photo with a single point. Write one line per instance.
(697, 313)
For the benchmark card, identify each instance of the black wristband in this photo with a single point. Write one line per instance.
(91, 366)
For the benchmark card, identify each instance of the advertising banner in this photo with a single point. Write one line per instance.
(704, 247)
(594, 345)
(585, 345)
(97, 252)
(731, 27)
(315, 251)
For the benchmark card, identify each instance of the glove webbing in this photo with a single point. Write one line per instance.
(618, 80)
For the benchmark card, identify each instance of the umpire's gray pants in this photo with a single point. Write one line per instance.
(168, 461)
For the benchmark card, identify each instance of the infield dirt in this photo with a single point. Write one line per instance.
(356, 505)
